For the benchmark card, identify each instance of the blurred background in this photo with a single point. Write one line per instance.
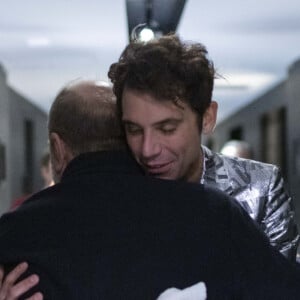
(255, 46)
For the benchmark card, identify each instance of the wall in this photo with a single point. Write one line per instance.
(293, 99)
(4, 139)
(21, 112)
(22, 175)
(270, 124)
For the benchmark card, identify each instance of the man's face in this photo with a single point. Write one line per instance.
(163, 137)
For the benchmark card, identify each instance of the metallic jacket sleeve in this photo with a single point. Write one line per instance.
(279, 219)
(260, 190)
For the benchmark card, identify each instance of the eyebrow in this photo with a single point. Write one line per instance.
(127, 122)
(159, 123)
(168, 121)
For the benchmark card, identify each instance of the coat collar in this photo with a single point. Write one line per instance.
(101, 162)
(216, 175)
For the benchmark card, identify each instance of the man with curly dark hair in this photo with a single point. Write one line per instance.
(164, 97)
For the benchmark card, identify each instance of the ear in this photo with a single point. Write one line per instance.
(59, 154)
(210, 118)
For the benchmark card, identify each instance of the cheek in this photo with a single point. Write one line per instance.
(187, 141)
(188, 146)
(177, 146)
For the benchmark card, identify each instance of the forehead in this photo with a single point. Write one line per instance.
(140, 106)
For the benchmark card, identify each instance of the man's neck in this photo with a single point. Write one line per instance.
(198, 175)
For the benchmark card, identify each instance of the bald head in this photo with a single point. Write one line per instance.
(82, 119)
(84, 116)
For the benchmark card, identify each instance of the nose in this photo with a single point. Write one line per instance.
(151, 146)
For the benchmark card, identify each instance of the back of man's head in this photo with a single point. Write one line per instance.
(84, 116)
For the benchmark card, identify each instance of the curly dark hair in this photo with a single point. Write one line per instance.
(168, 69)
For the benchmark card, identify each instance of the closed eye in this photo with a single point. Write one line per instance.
(168, 126)
(168, 130)
(133, 129)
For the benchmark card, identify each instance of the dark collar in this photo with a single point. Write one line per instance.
(100, 162)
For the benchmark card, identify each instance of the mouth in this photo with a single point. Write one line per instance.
(157, 169)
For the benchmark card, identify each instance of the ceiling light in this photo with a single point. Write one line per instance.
(146, 34)
(35, 42)
(143, 33)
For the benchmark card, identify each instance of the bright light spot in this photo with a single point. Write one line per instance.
(103, 83)
(146, 35)
(36, 42)
(229, 151)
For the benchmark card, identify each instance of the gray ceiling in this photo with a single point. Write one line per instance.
(45, 44)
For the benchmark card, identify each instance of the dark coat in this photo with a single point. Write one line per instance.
(106, 232)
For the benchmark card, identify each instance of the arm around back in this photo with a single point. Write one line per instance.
(279, 219)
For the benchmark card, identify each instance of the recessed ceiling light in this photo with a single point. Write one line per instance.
(35, 42)
(146, 35)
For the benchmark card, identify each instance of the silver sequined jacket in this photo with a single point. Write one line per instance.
(259, 188)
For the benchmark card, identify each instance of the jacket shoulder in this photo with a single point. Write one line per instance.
(248, 166)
